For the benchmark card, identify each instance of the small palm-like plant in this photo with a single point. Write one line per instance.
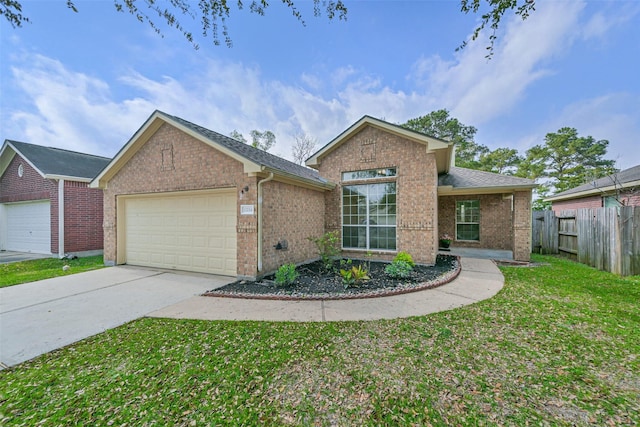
(354, 276)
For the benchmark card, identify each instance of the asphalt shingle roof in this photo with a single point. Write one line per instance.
(471, 178)
(622, 177)
(56, 161)
(253, 154)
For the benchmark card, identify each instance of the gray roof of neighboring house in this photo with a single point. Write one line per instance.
(618, 178)
(471, 178)
(256, 155)
(56, 161)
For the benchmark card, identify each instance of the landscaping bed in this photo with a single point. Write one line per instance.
(314, 281)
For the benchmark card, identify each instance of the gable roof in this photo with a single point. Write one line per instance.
(253, 159)
(471, 181)
(444, 149)
(624, 179)
(53, 163)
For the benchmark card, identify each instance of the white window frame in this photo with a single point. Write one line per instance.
(461, 203)
(380, 176)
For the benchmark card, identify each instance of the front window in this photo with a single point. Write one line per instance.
(369, 216)
(369, 174)
(468, 220)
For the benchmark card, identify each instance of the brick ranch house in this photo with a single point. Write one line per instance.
(618, 189)
(183, 197)
(46, 205)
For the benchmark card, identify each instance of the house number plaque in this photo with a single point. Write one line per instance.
(246, 209)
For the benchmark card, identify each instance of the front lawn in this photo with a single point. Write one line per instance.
(16, 273)
(559, 345)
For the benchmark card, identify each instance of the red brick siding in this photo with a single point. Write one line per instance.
(496, 225)
(31, 186)
(581, 203)
(629, 198)
(195, 166)
(291, 213)
(82, 217)
(416, 187)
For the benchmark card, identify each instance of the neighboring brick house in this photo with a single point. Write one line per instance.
(618, 189)
(181, 196)
(46, 205)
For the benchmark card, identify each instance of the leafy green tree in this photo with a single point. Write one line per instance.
(501, 160)
(262, 140)
(566, 160)
(214, 13)
(440, 125)
(492, 16)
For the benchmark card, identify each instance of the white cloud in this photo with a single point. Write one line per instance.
(614, 117)
(477, 90)
(76, 111)
(602, 21)
(71, 110)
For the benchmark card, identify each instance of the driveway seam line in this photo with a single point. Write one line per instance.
(80, 293)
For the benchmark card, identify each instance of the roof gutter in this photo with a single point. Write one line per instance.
(449, 189)
(593, 191)
(324, 186)
(67, 178)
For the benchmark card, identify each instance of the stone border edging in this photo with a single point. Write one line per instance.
(442, 280)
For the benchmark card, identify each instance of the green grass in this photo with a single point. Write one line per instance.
(559, 345)
(29, 271)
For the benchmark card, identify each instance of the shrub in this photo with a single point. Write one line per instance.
(328, 248)
(399, 269)
(406, 257)
(354, 276)
(286, 275)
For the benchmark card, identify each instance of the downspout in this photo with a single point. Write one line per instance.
(267, 179)
(61, 218)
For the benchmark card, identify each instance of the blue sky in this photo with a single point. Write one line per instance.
(86, 81)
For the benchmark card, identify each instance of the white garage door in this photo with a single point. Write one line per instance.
(29, 227)
(190, 231)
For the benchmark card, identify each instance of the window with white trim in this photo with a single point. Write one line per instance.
(369, 212)
(468, 220)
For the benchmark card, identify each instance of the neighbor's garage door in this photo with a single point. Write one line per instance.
(190, 231)
(29, 227)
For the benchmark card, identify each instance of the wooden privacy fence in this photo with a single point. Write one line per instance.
(605, 238)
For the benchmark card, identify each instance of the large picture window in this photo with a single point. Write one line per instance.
(468, 220)
(369, 216)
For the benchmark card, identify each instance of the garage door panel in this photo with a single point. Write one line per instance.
(29, 227)
(182, 231)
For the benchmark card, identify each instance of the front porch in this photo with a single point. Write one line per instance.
(494, 254)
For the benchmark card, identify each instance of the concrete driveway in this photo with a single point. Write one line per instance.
(38, 317)
(11, 256)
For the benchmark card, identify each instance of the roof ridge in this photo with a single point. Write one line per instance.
(12, 141)
(245, 145)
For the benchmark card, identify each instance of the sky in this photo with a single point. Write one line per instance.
(87, 81)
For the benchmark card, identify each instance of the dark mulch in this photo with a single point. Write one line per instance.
(314, 282)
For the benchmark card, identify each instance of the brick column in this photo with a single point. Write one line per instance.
(522, 225)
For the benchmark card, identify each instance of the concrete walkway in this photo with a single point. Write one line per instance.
(479, 279)
(38, 317)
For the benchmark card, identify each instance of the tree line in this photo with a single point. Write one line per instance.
(562, 161)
